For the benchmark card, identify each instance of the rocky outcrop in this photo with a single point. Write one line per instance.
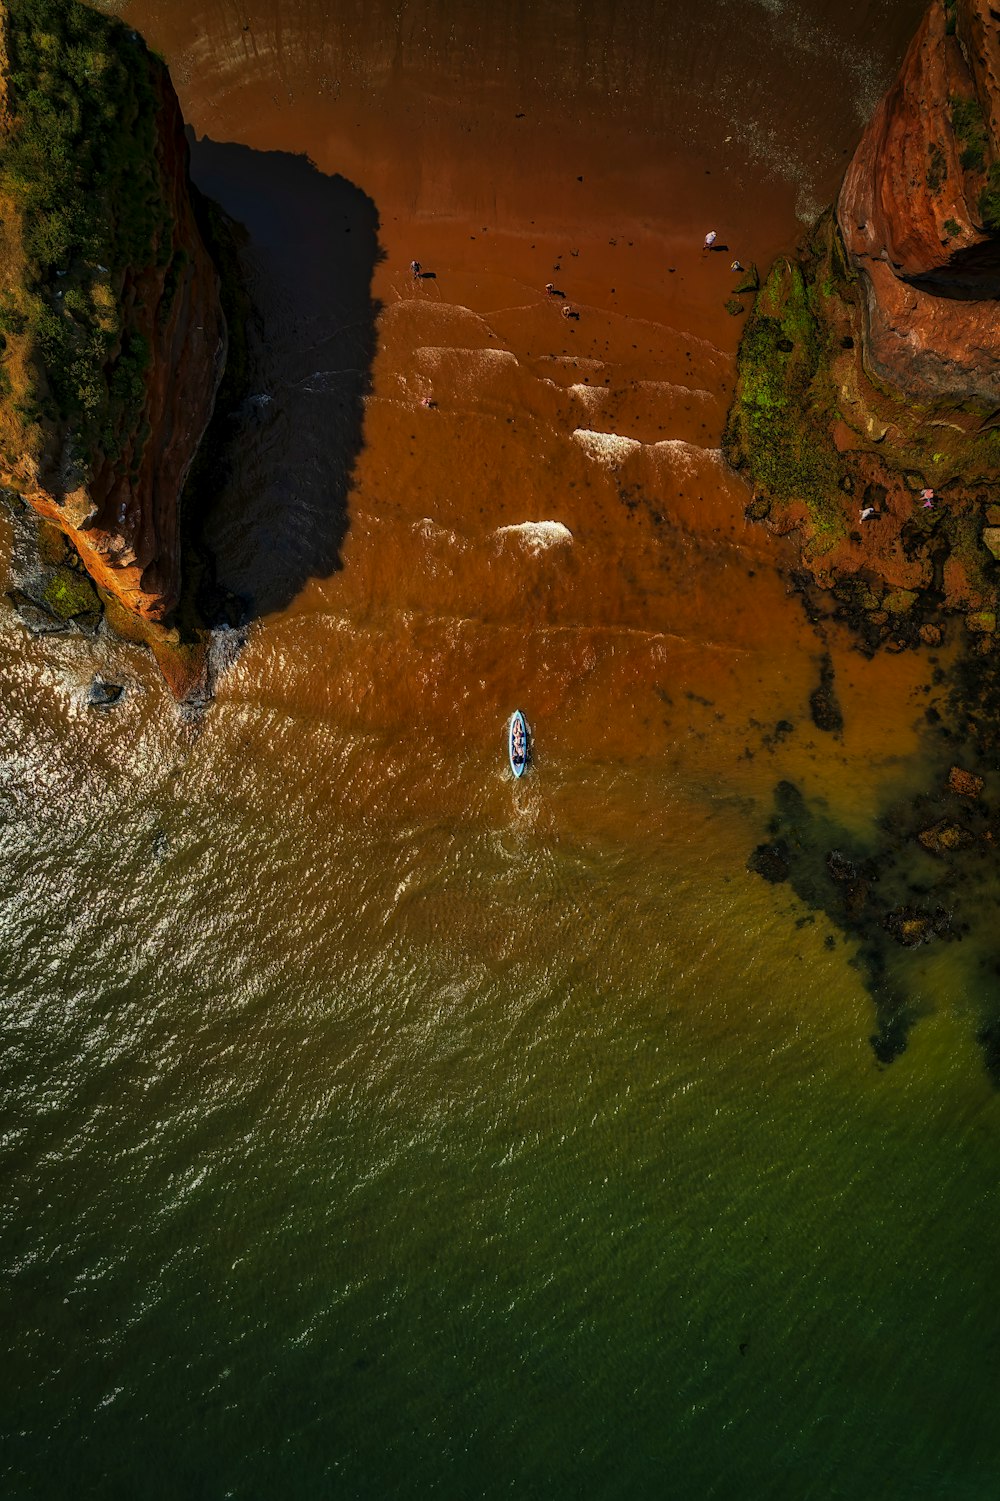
(867, 409)
(101, 443)
(918, 211)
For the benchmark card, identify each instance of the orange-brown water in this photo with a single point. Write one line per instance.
(380, 1126)
(586, 146)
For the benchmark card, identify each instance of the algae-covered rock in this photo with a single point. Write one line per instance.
(910, 926)
(67, 593)
(945, 837)
(749, 281)
(774, 432)
(898, 601)
(965, 783)
(39, 620)
(981, 621)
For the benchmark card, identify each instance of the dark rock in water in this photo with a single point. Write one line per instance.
(781, 731)
(39, 620)
(891, 1038)
(823, 703)
(965, 783)
(912, 926)
(770, 861)
(856, 900)
(759, 509)
(101, 695)
(931, 635)
(944, 837)
(988, 1038)
(840, 867)
(734, 307)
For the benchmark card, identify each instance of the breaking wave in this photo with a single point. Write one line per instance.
(536, 536)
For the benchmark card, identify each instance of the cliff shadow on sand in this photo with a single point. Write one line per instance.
(278, 509)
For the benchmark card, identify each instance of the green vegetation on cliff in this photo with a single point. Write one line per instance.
(821, 439)
(778, 426)
(82, 204)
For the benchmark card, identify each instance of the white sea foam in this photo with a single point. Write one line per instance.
(590, 395)
(536, 536)
(607, 448)
(675, 389)
(615, 448)
(436, 354)
(692, 450)
(432, 532)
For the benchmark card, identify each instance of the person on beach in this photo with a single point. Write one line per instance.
(867, 513)
(736, 266)
(710, 240)
(927, 496)
(415, 270)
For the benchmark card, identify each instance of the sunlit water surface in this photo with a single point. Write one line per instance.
(374, 1125)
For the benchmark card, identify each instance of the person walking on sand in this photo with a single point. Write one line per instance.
(867, 513)
(415, 270)
(710, 240)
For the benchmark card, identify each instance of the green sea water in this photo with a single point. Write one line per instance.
(539, 1161)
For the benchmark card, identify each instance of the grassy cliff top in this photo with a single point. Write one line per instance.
(81, 202)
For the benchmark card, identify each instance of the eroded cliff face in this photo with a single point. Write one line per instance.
(101, 444)
(918, 211)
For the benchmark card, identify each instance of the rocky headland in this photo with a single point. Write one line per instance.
(112, 330)
(869, 369)
(867, 422)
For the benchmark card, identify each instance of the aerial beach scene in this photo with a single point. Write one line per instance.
(500, 749)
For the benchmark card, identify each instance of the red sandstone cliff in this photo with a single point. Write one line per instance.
(121, 510)
(915, 212)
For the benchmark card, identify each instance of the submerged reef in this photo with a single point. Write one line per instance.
(866, 420)
(113, 340)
